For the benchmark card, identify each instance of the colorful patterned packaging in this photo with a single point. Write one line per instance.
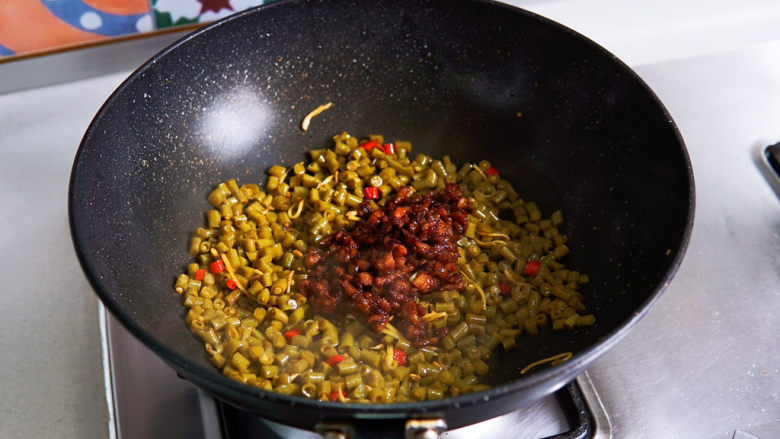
(37, 26)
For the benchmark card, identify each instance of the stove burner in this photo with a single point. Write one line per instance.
(575, 420)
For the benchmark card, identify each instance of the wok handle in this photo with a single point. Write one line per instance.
(429, 428)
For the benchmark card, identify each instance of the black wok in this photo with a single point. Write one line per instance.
(450, 76)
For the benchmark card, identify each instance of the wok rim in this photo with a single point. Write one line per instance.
(405, 409)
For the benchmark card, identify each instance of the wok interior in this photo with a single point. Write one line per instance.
(591, 141)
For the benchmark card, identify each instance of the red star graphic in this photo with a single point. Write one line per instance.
(214, 5)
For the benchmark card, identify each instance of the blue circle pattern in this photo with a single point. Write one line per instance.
(70, 11)
(4, 51)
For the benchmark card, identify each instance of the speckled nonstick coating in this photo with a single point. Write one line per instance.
(448, 75)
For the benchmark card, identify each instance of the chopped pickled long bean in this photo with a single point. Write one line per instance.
(246, 305)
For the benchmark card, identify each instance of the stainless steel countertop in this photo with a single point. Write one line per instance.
(703, 363)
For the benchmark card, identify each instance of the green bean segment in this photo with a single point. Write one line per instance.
(242, 301)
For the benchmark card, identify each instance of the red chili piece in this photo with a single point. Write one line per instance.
(291, 333)
(389, 148)
(491, 171)
(532, 269)
(400, 357)
(334, 359)
(230, 283)
(217, 266)
(334, 395)
(504, 288)
(200, 274)
(370, 144)
(371, 193)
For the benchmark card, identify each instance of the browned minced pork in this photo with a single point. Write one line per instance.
(395, 253)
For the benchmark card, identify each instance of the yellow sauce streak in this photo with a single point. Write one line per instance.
(389, 357)
(341, 393)
(554, 360)
(297, 211)
(352, 215)
(490, 243)
(289, 281)
(481, 196)
(232, 273)
(325, 181)
(392, 331)
(480, 171)
(479, 289)
(510, 276)
(281, 179)
(316, 112)
(431, 316)
(494, 235)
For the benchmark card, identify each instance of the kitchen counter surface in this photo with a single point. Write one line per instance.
(705, 361)
(715, 369)
(51, 366)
